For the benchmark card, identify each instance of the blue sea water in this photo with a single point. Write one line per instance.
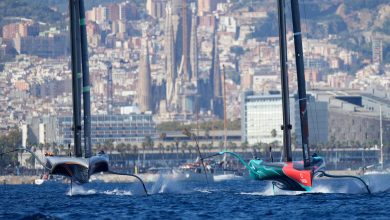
(244, 199)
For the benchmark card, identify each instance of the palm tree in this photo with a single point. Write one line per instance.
(149, 142)
(207, 133)
(121, 148)
(177, 148)
(61, 147)
(190, 148)
(98, 146)
(233, 146)
(134, 151)
(163, 136)
(204, 147)
(274, 133)
(254, 149)
(221, 146)
(184, 145)
(143, 153)
(173, 148)
(109, 145)
(161, 149)
(46, 146)
(168, 148)
(40, 147)
(244, 146)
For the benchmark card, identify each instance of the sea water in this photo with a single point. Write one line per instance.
(170, 199)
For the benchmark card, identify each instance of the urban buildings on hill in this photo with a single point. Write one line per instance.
(168, 59)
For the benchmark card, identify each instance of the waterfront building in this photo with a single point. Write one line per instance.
(261, 119)
(128, 128)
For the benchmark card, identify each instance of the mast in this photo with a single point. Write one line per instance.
(86, 86)
(76, 77)
(224, 116)
(224, 108)
(301, 82)
(286, 127)
(381, 135)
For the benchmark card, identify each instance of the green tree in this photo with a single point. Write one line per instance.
(237, 50)
(109, 145)
(184, 145)
(190, 149)
(274, 133)
(9, 142)
(221, 145)
(244, 146)
(161, 150)
(121, 148)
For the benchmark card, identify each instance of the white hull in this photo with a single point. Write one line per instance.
(39, 181)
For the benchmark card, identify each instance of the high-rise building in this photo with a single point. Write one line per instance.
(377, 50)
(113, 12)
(23, 29)
(127, 10)
(43, 46)
(205, 6)
(156, 8)
(28, 29)
(98, 14)
(92, 29)
(10, 30)
(144, 77)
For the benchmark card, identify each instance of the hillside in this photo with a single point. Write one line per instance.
(36, 10)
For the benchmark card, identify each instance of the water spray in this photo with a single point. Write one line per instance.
(323, 173)
(71, 178)
(125, 174)
(253, 172)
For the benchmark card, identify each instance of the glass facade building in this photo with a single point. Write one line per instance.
(116, 128)
(262, 117)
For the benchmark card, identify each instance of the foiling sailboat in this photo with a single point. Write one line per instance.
(80, 167)
(288, 174)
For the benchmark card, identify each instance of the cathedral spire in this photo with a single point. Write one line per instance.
(144, 77)
(194, 48)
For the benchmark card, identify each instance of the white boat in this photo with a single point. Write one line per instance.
(39, 181)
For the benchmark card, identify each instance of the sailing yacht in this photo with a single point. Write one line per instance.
(288, 174)
(79, 168)
(378, 175)
(379, 167)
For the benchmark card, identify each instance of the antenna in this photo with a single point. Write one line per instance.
(381, 135)
(224, 115)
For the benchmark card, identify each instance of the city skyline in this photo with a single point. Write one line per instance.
(156, 69)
